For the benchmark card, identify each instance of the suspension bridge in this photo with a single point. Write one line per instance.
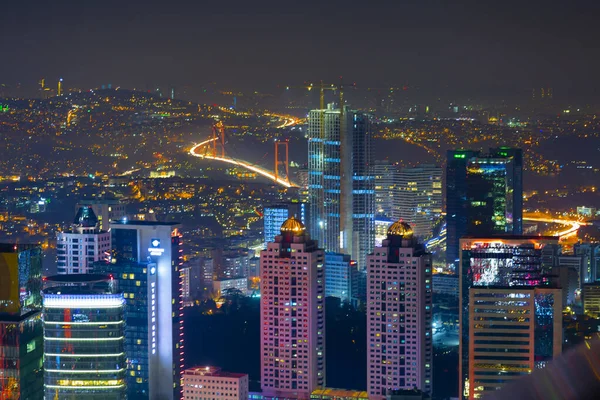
(214, 149)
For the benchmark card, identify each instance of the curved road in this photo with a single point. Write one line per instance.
(199, 150)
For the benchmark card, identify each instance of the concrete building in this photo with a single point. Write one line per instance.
(590, 253)
(399, 315)
(292, 312)
(591, 299)
(106, 210)
(513, 331)
(84, 338)
(222, 286)
(214, 384)
(446, 284)
(341, 187)
(417, 198)
(81, 246)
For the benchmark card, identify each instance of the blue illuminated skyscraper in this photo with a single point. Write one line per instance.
(341, 184)
(276, 214)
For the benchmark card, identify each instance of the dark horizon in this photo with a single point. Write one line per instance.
(437, 48)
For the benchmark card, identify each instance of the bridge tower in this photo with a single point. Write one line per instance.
(278, 162)
(218, 129)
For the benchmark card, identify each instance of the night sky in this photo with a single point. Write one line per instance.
(466, 47)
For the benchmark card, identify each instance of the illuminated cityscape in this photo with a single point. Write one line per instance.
(276, 203)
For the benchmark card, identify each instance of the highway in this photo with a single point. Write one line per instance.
(199, 150)
(572, 225)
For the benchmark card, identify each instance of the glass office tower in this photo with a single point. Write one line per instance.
(341, 184)
(484, 195)
(84, 338)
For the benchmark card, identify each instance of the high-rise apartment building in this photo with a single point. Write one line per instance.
(484, 195)
(214, 384)
(276, 214)
(106, 210)
(81, 246)
(509, 261)
(417, 199)
(341, 185)
(150, 253)
(385, 175)
(21, 337)
(513, 331)
(84, 341)
(292, 311)
(399, 315)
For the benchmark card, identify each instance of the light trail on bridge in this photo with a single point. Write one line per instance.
(261, 171)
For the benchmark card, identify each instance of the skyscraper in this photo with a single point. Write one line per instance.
(84, 342)
(498, 263)
(155, 253)
(484, 195)
(385, 176)
(341, 184)
(292, 314)
(514, 330)
(85, 243)
(21, 337)
(276, 214)
(399, 320)
(417, 198)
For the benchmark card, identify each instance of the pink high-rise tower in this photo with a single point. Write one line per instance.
(399, 315)
(292, 314)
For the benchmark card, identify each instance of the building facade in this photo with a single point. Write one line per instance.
(84, 338)
(292, 314)
(338, 276)
(156, 248)
(484, 195)
(81, 246)
(399, 315)
(514, 330)
(385, 175)
(341, 186)
(276, 214)
(591, 299)
(215, 384)
(496, 262)
(21, 336)
(417, 199)
(106, 210)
